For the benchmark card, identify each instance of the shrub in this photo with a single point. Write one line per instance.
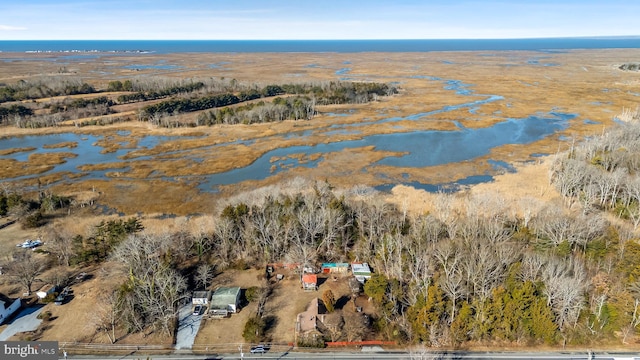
(45, 315)
(48, 299)
(329, 300)
(313, 342)
(252, 293)
(254, 329)
(33, 221)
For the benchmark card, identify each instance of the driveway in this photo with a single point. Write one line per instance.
(188, 326)
(26, 320)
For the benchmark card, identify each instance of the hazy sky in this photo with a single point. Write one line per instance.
(321, 19)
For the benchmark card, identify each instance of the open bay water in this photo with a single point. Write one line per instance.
(340, 46)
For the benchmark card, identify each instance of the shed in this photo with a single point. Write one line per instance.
(201, 297)
(225, 301)
(46, 290)
(361, 271)
(341, 268)
(310, 282)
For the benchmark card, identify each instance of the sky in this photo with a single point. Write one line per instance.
(322, 19)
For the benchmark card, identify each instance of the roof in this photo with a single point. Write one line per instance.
(331, 265)
(307, 319)
(201, 294)
(310, 278)
(223, 296)
(360, 269)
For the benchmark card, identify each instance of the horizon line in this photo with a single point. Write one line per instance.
(604, 37)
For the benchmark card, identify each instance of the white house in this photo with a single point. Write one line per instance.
(7, 311)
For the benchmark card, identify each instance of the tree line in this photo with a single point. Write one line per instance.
(154, 94)
(290, 108)
(300, 107)
(468, 272)
(187, 95)
(601, 172)
(43, 87)
(12, 111)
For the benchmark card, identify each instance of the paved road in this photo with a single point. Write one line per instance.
(188, 326)
(427, 355)
(26, 320)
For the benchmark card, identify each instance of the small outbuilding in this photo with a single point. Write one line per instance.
(225, 301)
(340, 268)
(201, 297)
(46, 291)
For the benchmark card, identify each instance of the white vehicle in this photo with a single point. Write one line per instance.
(260, 349)
(30, 244)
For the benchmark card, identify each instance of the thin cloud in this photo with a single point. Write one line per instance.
(11, 28)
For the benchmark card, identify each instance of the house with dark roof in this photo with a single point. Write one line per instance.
(225, 301)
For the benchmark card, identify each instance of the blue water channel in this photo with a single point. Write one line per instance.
(418, 148)
(423, 148)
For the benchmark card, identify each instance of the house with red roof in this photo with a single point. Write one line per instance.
(310, 282)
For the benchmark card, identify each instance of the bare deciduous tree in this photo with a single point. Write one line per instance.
(154, 289)
(354, 325)
(60, 243)
(25, 268)
(204, 274)
(565, 286)
(105, 316)
(532, 265)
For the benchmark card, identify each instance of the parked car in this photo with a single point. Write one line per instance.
(62, 296)
(59, 299)
(259, 349)
(81, 276)
(198, 310)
